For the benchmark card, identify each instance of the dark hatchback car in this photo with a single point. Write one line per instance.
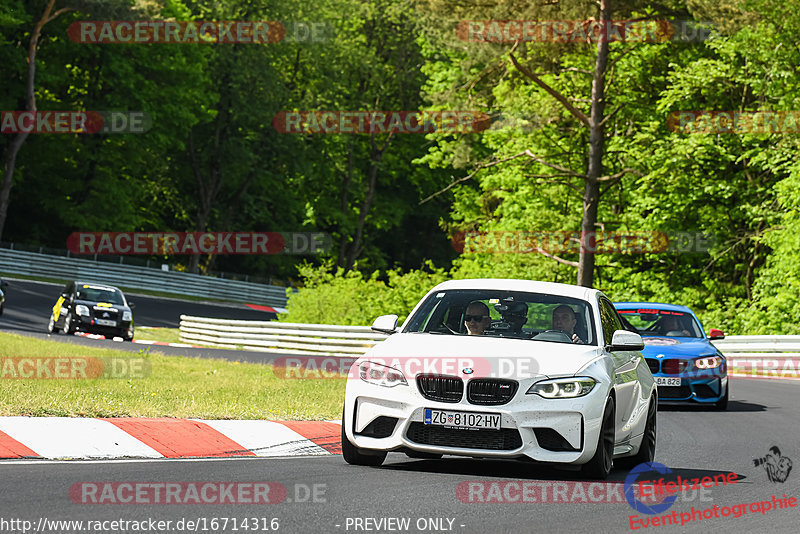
(92, 308)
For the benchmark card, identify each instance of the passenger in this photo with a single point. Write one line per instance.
(516, 316)
(476, 318)
(565, 321)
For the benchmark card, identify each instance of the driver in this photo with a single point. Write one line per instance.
(671, 323)
(565, 321)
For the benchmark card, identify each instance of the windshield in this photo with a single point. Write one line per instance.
(511, 314)
(654, 322)
(100, 294)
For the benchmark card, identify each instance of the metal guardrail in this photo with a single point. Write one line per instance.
(135, 277)
(764, 356)
(770, 356)
(280, 338)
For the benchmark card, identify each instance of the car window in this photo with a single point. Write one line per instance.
(609, 319)
(657, 322)
(514, 314)
(100, 294)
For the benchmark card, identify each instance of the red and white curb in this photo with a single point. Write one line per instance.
(83, 438)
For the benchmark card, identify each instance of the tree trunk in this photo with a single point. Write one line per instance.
(30, 100)
(591, 194)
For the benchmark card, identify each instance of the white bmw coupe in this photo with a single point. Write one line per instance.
(493, 368)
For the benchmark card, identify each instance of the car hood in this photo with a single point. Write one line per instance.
(677, 347)
(525, 357)
(92, 303)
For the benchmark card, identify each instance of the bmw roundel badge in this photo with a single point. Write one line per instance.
(467, 370)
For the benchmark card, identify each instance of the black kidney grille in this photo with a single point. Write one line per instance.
(441, 388)
(491, 391)
(653, 364)
(505, 439)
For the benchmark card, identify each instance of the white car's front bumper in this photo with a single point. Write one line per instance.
(522, 418)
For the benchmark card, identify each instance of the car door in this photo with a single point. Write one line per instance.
(626, 379)
(62, 304)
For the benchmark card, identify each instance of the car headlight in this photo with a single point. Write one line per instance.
(80, 309)
(563, 388)
(127, 316)
(709, 362)
(381, 375)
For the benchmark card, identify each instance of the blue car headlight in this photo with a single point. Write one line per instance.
(708, 362)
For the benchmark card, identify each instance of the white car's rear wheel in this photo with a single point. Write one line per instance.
(600, 465)
(356, 456)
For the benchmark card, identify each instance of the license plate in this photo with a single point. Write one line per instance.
(664, 381)
(473, 421)
(106, 322)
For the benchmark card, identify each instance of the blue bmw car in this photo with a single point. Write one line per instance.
(686, 366)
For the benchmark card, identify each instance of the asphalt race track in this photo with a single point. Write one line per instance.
(692, 443)
(323, 494)
(28, 307)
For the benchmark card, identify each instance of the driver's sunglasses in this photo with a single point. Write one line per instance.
(476, 318)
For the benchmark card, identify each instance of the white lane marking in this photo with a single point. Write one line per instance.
(68, 437)
(69, 461)
(266, 438)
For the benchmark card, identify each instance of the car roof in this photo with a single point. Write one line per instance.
(529, 286)
(656, 305)
(78, 283)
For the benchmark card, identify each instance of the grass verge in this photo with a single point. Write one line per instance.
(174, 386)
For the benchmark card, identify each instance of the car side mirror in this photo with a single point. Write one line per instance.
(625, 340)
(65, 296)
(386, 324)
(131, 305)
(716, 333)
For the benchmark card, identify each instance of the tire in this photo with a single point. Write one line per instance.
(51, 325)
(127, 335)
(67, 328)
(647, 452)
(601, 463)
(356, 456)
(722, 404)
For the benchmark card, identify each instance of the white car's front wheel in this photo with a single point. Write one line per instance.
(356, 456)
(600, 465)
